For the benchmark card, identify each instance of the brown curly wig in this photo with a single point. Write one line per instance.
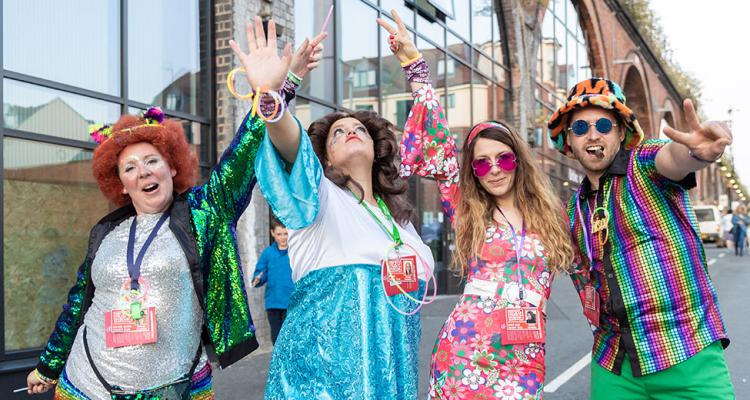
(169, 140)
(385, 178)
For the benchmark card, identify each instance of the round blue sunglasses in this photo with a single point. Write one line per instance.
(581, 127)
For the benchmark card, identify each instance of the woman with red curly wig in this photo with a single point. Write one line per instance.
(162, 275)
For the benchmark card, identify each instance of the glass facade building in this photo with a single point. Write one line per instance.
(66, 65)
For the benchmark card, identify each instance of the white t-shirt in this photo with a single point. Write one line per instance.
(344, 233)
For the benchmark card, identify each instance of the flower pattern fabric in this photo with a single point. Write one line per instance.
(428, 149)
(469, 358)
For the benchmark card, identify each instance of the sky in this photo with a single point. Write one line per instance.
(712, 43)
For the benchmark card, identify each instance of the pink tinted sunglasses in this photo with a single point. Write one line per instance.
(482, 166)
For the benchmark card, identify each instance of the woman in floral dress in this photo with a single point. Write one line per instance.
(492, 345)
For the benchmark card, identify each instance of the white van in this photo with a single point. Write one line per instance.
(709, 222)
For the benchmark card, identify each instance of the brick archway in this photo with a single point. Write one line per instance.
(636, 93)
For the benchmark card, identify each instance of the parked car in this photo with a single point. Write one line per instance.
(709, 222)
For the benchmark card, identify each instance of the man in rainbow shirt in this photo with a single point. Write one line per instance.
(643, 279)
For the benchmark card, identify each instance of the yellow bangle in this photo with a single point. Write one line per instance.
(44, 379)
(412, 61)
(230, 85)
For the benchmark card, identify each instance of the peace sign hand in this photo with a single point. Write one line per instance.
(263, 67)
(308, 55)
(706, 140)
(400, 40)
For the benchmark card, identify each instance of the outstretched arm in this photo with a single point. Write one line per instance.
(427, 146)
(691, 151)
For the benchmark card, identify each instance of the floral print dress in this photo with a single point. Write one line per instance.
(469, 360)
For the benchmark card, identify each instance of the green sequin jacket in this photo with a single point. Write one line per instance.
(203, 219)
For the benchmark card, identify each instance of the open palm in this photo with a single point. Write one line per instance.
(706, 140)
(263, 67)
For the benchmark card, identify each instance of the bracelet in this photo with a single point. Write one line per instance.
(230, 85)
(418, 72)
(696, 158)
(407, 62)
(278, 106)
(294, 78)
(44, 379)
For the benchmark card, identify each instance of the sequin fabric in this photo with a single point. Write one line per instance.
(359, 347)
(200, 388)
(168, 288)
(469, 360)
(205, 217)
(216, 206)
(658, 302)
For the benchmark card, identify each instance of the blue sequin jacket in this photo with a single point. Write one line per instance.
(203, 219)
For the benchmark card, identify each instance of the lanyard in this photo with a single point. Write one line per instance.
(134, 267)
(393, 232)
(519, 246)
(588, 239)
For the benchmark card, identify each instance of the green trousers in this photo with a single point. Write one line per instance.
(703, 376)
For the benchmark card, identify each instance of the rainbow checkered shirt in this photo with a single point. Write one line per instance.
(658, 305)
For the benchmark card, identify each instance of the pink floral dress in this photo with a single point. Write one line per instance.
(469, 360)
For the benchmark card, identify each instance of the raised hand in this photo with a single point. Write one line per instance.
(400, 39)
(706, 140)
(308, 55)
(263, 67)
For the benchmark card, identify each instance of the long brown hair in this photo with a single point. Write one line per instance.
(385, 179)
(541, 208)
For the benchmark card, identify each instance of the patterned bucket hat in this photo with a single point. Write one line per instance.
(598, 92)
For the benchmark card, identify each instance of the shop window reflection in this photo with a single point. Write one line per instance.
(50, 202)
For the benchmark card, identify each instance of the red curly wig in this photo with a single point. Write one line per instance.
(168, 138)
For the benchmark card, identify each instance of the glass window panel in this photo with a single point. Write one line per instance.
(52, 112)
(307, 111)
(406, 14)
(459, 88)
(572, 64)
(167, 61)
(458, 47)
(84, 55)
(483, 65)
(500, 74)
(394, 87)
(561, 54)
(308, 19)
(431, 30)
(481, 19)
(433, 58)
(503, 104)
(432, 221)
(481, 98)
(50, 203)
(584, 66)
(571, 17)
(461, 23)
(498, 40)
(358, 65)
(548, 47)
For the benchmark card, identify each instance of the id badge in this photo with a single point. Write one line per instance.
(522, 325)
(591, 304)
(121, 330)
(400, 272)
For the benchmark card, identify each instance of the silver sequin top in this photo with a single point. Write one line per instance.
(170, 291)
